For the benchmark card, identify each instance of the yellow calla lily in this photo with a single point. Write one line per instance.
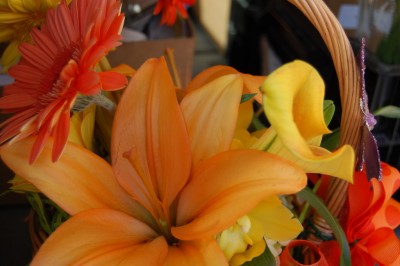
(293, 101)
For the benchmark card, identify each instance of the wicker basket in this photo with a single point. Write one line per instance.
(350, 89)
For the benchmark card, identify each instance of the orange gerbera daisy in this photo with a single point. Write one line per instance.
(57, 67)
(169, 9)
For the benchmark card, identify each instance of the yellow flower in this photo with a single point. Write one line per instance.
(247, 239)
(17, 18)
(293, 103)
(82, 127)
(165, 197)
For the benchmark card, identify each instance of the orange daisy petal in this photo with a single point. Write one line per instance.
(57, 66)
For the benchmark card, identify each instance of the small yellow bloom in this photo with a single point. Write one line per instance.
(82, 127)
(247, 239)
(17, 18)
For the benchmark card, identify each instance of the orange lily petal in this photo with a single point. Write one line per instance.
(149, 129)
(195, 253)
(389, 214)
(251, 84)
(211, 114)
(209, 75)
(229, 185)
(102, 237)
(78, 170)
(384, 246)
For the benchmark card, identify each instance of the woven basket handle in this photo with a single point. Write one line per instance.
(345, 64)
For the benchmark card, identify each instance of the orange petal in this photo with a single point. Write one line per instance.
(209, 75)
(88, 176)
(287, 259)
(111, 81)
(211, 113)
(228, 186)
(388, 215)
(195, 253)
(251, 83)
(102, 237)
(149, 125)
(384, 246)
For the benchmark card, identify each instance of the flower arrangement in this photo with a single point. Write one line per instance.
(123, 167)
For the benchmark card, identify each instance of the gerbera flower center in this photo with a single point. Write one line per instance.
(60, 76)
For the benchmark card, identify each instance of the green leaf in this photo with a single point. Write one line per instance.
(246, 97)
(319, 206)
(264, 259)
(389, 111)
(329, 111)
(38, 205)
(331, 141)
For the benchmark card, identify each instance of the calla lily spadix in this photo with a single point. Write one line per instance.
(155, 205)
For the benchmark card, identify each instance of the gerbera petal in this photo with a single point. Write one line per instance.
(150, 126)
(228, 186)
(16, 101)
(89, 83)
(60, 134)
(87, 175)
(112, 80)
(211, 114)
(102, 237)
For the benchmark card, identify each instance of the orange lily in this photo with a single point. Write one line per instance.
(372, 217)
(161, 202)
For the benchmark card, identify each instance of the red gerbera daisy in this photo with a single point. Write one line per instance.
(57, 67)
(169, 9)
